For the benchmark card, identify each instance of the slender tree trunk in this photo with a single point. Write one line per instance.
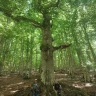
(59, 60)
(76, 45)
(89, 55)
(75, 37)
(36, 61)
(27, 53)
(31, 54)
(21, 66)
(55, 62)
(89, 44)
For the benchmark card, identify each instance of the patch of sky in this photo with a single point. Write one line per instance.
(1, 25)
(88, 63)
(94, 42)
(62, 17)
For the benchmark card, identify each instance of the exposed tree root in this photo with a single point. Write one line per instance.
(48, 91)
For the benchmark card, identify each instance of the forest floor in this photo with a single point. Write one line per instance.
(10, 84)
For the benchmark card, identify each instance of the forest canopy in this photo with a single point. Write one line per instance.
(25, 24)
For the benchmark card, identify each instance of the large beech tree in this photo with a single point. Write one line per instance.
(46, 10)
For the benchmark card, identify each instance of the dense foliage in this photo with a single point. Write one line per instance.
(73, 21)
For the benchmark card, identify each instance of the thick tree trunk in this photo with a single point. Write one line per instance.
(47, 75)
(47, 65)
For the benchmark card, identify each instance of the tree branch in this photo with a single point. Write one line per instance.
(61, 47)
(53, 5)
(19, 18)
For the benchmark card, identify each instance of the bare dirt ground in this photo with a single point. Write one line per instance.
(12, 83)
